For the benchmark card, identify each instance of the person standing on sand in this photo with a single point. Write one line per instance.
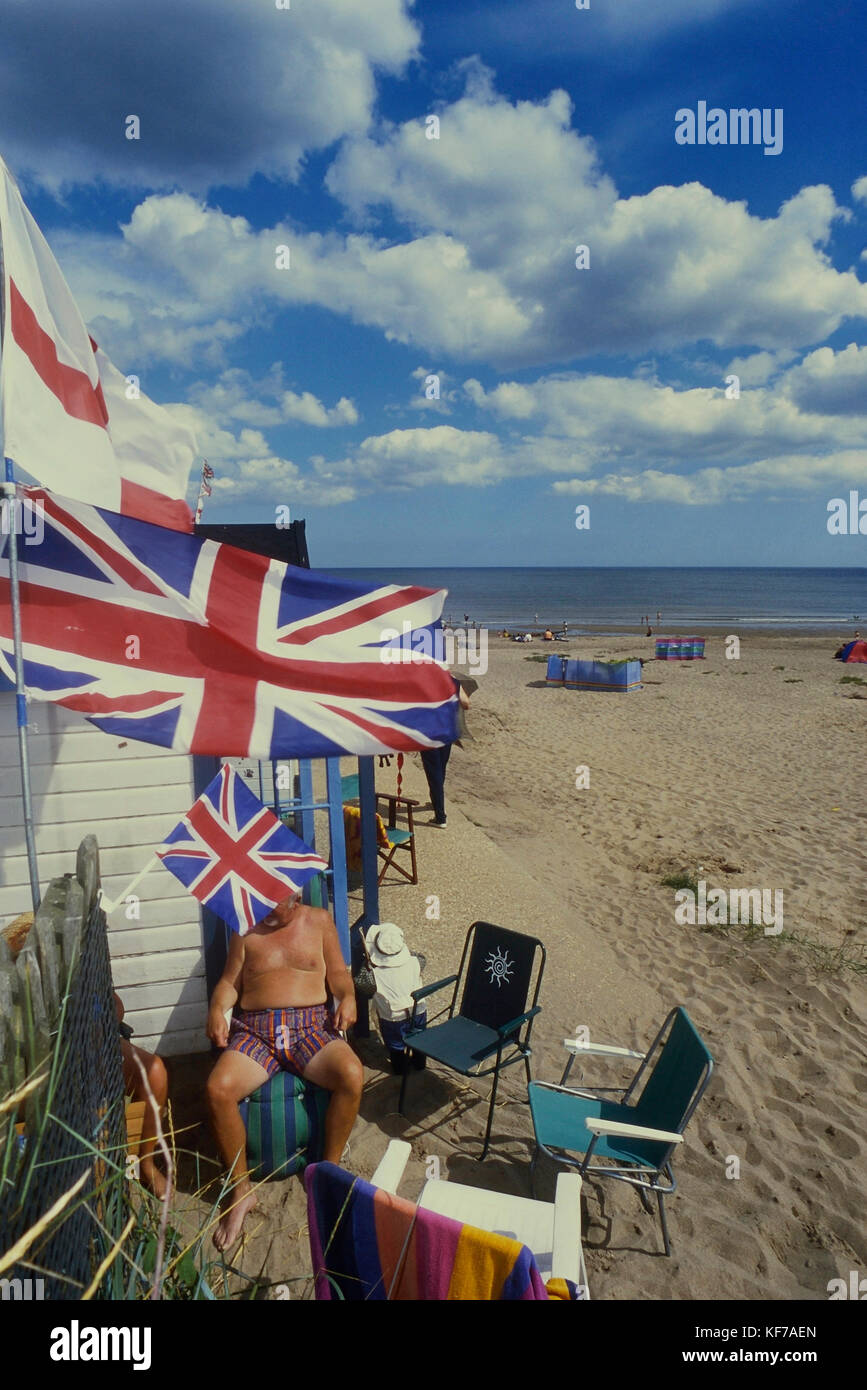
(280, 973)
(435, 760)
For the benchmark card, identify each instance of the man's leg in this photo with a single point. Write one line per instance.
(337, 1069)
(234, 1077)
(434, 770)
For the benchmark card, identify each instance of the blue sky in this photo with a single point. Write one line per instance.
(606, 386)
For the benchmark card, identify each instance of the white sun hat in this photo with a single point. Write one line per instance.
(386, 945)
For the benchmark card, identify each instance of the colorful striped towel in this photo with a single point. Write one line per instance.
(367, 1244)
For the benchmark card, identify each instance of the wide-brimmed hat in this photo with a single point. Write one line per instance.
(386, 945)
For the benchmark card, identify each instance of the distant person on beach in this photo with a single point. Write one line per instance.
(435, 760)
(658, 616)
(649, 630)
(281, 975)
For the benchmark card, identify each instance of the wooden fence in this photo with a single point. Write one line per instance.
(62, 1138)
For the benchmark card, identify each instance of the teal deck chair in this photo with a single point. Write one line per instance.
(491, 1030)
(633, 1138)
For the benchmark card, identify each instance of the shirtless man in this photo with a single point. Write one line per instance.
(281, 973)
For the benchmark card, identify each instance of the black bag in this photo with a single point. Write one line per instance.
(364, 979)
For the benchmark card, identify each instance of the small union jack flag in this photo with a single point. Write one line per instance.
(235, 856)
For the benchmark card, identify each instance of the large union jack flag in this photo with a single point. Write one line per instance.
(235, 856)
(205, 648)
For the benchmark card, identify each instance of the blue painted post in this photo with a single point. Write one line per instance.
(305, 790)
(369, 877)
(340, 904)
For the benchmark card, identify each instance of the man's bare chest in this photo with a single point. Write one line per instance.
(295, 947)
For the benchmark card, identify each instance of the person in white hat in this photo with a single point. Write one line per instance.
(398, 973)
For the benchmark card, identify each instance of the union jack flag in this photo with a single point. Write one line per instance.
(235, 856)
(205, 648)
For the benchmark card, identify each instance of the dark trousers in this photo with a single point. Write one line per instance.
(434, 761)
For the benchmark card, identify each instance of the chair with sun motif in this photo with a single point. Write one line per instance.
(500, 971)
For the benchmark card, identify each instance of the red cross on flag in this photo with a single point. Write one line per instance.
(67, 415)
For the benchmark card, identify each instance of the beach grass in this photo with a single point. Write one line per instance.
(852, 680)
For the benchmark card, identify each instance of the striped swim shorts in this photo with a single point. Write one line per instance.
(282, 1039)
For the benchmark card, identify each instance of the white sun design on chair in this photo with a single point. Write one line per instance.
(500, 967)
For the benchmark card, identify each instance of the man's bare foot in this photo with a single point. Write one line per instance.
(231, 1225)
(151, 1178)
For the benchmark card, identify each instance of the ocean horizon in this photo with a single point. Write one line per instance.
(620, 597)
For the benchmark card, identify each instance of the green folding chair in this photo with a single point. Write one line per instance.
(491, 1029)
(631, 1139)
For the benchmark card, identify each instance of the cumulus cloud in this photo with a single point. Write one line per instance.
(708, 486)
(485, 269)
(236, 395)
(831, 383)
(758, 367)
(641, 421)
(416, 458)
(246, 466)
(223, 89)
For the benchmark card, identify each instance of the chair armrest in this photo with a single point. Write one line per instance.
(567, 1258)
(506, 1028)
(600, 1050)
(391, 1166)
(425, 990)
(632, 1131)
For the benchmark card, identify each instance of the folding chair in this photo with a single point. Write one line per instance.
(498, 969)
(638, 1131)
(551, 1230)
(391, 837)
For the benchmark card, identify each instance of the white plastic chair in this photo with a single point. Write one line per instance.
(551, 1230)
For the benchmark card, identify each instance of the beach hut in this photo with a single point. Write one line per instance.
(166, 952)
(624, 676)
(680, 648)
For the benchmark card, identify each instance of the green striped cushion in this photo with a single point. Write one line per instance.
(285, 1123)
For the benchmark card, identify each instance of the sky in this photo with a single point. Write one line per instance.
(341, 240)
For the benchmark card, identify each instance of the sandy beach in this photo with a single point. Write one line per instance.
(743, 769)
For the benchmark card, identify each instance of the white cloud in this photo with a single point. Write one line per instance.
(709, 486)
(415, 458)
(310, 411)
(759, 367)
(223, 89)
(833, 383)
(486, 270)
(246, 466)
(859, 189)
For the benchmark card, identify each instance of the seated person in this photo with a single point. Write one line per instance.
(137, 1088)
(548, 635)
(280, 974)
(397, 974)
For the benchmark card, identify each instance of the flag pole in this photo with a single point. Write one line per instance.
(9, 493)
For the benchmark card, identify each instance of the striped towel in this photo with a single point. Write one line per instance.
(368, 1244)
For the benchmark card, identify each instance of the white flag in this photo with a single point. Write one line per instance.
(68, 416)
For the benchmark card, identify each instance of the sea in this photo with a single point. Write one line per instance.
(620, 599)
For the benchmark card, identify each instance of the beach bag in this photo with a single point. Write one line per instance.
(364, 978)
(285, 1124)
